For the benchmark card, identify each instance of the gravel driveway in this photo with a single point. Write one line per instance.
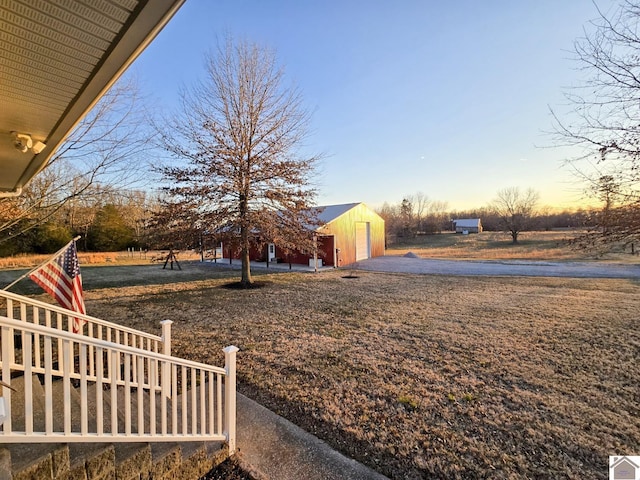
(525, 268)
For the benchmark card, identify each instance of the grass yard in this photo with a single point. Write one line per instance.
(418, 376)
(100, 258)
(552, 245)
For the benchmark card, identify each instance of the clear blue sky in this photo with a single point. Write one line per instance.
(450, 98)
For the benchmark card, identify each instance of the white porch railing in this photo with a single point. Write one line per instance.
(134, 394)
(41, 313)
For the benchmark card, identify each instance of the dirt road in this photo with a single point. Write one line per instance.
(522, 268)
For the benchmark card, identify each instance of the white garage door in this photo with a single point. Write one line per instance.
(363, 241)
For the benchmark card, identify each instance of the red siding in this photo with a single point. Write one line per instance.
(325, 253)
(340, 233)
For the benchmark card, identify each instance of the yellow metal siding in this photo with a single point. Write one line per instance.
(344, 230)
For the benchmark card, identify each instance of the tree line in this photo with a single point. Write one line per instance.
(512, 211)
(238, 170)
(122, 219)
(108, 221)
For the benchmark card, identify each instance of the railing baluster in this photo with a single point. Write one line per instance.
(84, 416)
(194, 404)
(47, 323)
(127, 394)
(114, 368)
(36, 338)
(152, 396)
(99, 400)
(203, 403)
(60, 355)
(7, 360)
(163, 401)
(140, 394)
(174, 399)
(92, 365)
(183, 389)
(211, 405)
(48, 386)
(219, 403)
(163, 398)
(27, 343)
(131, 342)
(68, 366)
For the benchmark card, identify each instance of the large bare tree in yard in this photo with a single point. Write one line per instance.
(515, 210)
(237, 145)
(604, 122)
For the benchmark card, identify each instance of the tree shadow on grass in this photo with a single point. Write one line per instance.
(244, 286)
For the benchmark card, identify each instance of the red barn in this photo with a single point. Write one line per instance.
(350, 232)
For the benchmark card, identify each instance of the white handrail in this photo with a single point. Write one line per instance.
(22, 300)
(30, 310)
(131, 373)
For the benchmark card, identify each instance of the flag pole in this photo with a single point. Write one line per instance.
(42, 264)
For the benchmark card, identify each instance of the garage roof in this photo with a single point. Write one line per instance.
(57, 58)
(328, 213)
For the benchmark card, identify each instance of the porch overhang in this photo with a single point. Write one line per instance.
(57, 58)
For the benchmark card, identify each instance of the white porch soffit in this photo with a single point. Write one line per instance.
(57, 58)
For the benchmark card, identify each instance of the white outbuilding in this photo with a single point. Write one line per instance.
(468, 225)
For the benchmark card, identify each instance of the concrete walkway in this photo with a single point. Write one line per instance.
(273, 448)
(525, 268)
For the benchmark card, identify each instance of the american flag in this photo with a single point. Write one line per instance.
(60, 277)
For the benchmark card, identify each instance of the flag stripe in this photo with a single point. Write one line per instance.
(55, 284)
(48, 278)
(60, 278)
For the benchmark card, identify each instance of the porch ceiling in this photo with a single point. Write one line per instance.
(57, 58)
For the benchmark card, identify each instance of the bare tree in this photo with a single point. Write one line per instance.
(240, 132)
(515, 209)
(104, 152)
(604, 120)
(420, 203)
(437, 216)
(390, 214)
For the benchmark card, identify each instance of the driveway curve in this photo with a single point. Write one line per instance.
(524, 268)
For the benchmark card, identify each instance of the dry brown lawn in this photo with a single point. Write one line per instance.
(99, 258)
(552, 245)
(423, 376)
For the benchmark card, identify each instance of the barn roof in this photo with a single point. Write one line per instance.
(467, 222)
(328, 213)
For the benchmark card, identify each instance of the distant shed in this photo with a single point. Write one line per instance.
(468, 225)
